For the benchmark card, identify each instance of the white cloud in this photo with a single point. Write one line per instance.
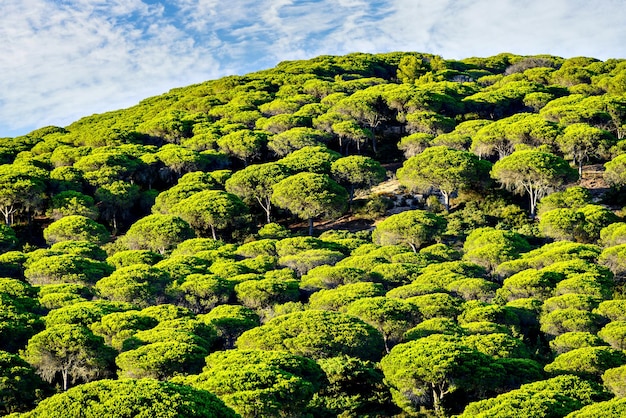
(70, 58)
(459, 29)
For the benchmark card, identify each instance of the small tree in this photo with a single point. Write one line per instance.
(443, 169)
(76, 228)
(21, 189)
(160, 233)
(309, 196)
(210, 209)
(254, 184)
(414, 228)
(72, 351)
(425, 371)
(581, 142)
(357, 172)
(535, 173)
(134, 398)
(615, 173)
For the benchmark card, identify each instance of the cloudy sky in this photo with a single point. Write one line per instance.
(64, 59)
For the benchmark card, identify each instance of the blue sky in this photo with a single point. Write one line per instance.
(64, 59)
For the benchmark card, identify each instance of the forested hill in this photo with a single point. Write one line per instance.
(364, 235)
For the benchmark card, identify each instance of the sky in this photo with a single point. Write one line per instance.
(61, 60)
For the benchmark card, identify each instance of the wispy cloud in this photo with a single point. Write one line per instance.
(63, 59)
(69, 59)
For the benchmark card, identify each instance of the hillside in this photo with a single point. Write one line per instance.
(364, 235)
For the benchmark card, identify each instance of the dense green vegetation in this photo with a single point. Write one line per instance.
(222, 250)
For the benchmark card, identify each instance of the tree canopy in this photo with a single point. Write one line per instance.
(168, 240)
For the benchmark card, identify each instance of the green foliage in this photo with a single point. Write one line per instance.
(549, 254)
(139, 284)
(117, 327)
(273, 231)
(309, 196)
(256, 382)
(133, 398)
(434, 305)
(158, 233)
(497, 345)
(615, 171)
(168, 156)
(573, 198)
(76, 228)
(443, 169)
(20, 386)
(286, 142)
(391, 317)
(72, 203)
(581, 225)
(257, 294)
(426, 371)
(561, 321)
(66, 268)
(587, 362)
(614, 310)
(21, 189)
(201, 292)
(490, 247)
(534, 173)
(413, 228)
(231, 321)
(573, 340)
(529, 283)
(550, 398)
(180, 266)
(613, 234)
(71, 351)
(316, 334)
(160, 360)
(210, 210)
(357, 172)
(614, 334)
(129, 257)
(355, 388)
(306, 260)
(614, 379)
(244, 145)
(339, 298)
(83, 313)
(610, 409)
(330, 277)
(254, 184)
(316, 159)
(581, 142)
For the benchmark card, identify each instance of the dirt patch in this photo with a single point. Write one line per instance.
(593, 180)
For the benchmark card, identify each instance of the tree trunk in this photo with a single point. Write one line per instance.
(351, 199)
(580, 169)
(310, 227)
(266, 204)
(114, 225)
(446, 200)
(436, 397)
(532, 207)
(213, 232)
(268, 218)
(65, 375)
(7, 211)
